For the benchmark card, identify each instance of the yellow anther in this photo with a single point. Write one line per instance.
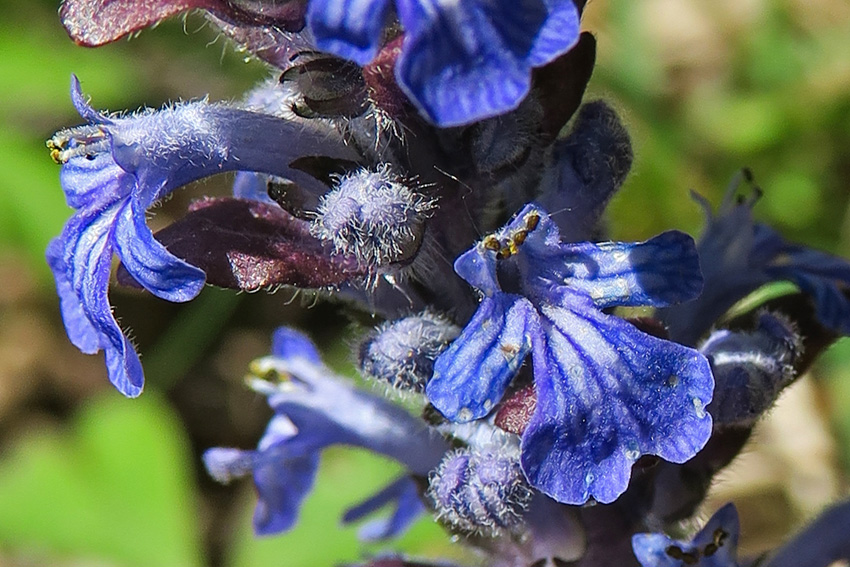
(492, 243)
(532, 220)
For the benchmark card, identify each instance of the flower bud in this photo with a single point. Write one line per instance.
(751, 369)
(588, 167)
(480, 492)
(402, 352)
(374, 217)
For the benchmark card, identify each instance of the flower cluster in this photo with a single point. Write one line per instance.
(397, 134)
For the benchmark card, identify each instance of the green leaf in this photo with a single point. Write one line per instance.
(116, 487)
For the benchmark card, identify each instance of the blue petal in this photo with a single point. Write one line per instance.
(288, 343)
(82, 105)
(658, 272)
(465, 61)
(80, 331)
(88, 259)
(477, 266)
(155, 268)
(607, 394)
(831, 305)
(284, 475)
(350, 29)
(559, 33)
(408, 508)
(470, 377)
(455, 65)
(94, 182)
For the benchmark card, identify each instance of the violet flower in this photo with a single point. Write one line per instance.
(114, 169)
(607, 393)
(315, 409)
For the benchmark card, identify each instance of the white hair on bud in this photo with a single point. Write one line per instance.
(373, 216)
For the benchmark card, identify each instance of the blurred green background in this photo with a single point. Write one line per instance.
(89, 478)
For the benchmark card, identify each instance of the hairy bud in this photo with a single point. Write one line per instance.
(751, 369)
(374, 217)
(483, 493)
(588, 167)
(402, 352)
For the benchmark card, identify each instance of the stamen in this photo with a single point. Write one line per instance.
(79, 141)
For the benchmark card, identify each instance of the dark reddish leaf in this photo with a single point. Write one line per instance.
(249, 245)
(95, 22)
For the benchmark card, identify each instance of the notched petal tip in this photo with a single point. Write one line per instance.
(586, 448)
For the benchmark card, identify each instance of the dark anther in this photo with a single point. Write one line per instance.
(674, 551)
(686, 557)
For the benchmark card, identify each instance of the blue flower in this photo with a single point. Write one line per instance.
(313, 410)
(460, 61)
(739, 256)
(114, 169)
(715, 545)
(607, 393)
